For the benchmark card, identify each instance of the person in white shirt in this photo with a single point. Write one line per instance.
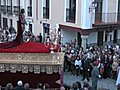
(77, 65)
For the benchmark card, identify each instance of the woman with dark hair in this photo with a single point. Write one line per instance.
(79, 85)
(74, 86)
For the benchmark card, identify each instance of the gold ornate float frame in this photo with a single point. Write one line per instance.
(31, 62)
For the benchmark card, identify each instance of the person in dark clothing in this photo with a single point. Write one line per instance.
(106, 67)
(40, 38)
(95, 75)
(118, 87)
(79, 85)
(85, 68)
(40, 86)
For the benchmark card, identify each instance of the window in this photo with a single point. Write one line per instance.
(46, 9)
(118, 11)
(30, 8)
(9, 7)
(16, 7)
(5, 22)
(98, 12)
(70, 10)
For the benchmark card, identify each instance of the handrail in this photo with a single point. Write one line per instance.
(105, 17)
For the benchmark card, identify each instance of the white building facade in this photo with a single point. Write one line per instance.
(92, 22)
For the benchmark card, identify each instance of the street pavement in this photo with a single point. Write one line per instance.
(69, 79)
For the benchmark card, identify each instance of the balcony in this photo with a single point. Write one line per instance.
(16, 10)
(99, 18)
(29, 10)
(3, 9)
(9, 10)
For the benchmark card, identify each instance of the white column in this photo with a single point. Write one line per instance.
(85, 15)
(84, 41)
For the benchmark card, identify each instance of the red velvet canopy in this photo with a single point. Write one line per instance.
(29, 47)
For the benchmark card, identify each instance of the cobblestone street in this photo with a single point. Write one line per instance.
(107, 83)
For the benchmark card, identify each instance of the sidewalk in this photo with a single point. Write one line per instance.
(107, 83)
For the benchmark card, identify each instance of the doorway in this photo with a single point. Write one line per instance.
(100, 38)
(79, 39)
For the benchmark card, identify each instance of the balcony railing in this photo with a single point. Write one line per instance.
(3, 8)
(105, 17)
(16, 10)
(9, 10)
(29, 11)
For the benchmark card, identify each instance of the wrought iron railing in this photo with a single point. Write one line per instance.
(105, 17)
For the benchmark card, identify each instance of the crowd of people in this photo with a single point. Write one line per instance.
(26, 86)
(9, 35)
(94, 62)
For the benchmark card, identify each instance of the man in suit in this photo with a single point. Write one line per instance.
(85, 67)
(95, 75)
